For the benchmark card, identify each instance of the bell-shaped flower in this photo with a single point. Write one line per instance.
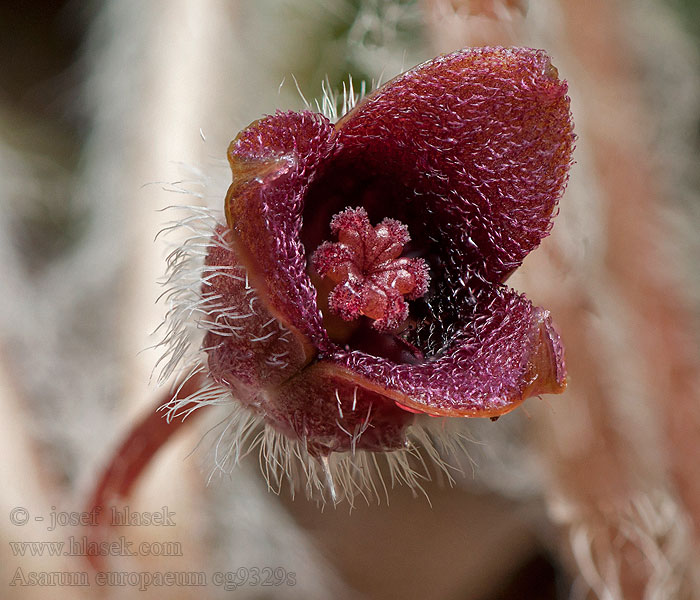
(359, 277)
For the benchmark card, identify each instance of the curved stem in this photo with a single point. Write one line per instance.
(134, 454)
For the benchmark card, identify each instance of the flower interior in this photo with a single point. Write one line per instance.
(360, 276)
(371, 277)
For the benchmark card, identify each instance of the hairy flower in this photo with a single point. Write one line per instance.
(359, 277)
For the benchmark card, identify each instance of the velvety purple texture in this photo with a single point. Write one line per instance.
(471, 152)
(247, 350)
(273, 162)
(507, 351)
(483, 139)
(332, 414)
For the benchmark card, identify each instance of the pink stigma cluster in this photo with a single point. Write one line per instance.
(372, 280)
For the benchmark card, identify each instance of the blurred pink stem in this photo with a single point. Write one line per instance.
(135, 453)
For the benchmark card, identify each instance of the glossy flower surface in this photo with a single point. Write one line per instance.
(359, 278)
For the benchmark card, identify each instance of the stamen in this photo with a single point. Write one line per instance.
(365, 263)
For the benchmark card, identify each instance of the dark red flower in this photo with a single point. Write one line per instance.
(359, 278)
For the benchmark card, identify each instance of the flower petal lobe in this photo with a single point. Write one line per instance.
(273, 161)
(483, 139)
(507, 352)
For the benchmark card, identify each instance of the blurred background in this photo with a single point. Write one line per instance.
(111, 111)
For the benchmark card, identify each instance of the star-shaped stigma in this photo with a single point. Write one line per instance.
(366, 264)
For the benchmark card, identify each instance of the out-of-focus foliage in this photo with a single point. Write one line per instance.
(689, 11)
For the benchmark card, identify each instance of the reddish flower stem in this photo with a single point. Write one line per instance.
(133, 455)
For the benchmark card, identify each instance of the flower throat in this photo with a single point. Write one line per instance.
(367, 273)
